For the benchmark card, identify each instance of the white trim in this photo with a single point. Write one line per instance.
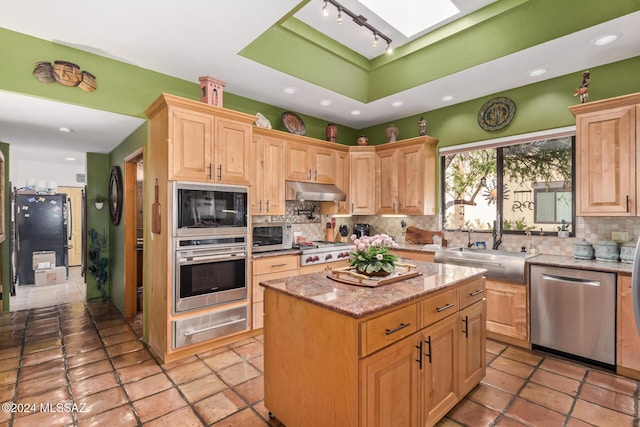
(509, 140)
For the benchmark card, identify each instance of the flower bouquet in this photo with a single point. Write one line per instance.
(371, 255)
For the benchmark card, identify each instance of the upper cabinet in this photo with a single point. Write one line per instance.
(362, 176)
(310, 162)
(342, 182)
(406, 177)
(205, 143)
(606, 156)
(267, 174)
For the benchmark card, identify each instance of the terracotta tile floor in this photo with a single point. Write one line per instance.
(87, 356)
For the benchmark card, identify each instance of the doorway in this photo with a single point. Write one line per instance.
(133, 233)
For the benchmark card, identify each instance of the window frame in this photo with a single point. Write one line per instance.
(497, 144)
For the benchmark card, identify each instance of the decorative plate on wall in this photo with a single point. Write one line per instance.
(496, 113)
(293, 123)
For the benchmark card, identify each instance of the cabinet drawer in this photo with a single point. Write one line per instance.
(439, 306)
(204, 327)
(275, 264)
(389, 328)
(258, 291)
(472, 292)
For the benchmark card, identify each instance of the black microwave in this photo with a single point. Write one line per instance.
(209, 209)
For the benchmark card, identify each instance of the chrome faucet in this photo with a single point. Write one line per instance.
(497, 241)
(469, 231)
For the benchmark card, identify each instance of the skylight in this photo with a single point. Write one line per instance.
(411, 17)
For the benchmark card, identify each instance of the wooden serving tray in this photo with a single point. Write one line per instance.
(349, 276)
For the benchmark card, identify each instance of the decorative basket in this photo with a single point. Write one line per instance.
(88, 82)
(44, 72)
(66, 73)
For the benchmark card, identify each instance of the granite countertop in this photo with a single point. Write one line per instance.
(418, 247)
(580, 264)
(358, 301)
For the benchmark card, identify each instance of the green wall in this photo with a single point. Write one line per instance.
(97, 183)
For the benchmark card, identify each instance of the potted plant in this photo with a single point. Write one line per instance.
(99, 200)
(98, 263)
(563, 229)
(371, 255)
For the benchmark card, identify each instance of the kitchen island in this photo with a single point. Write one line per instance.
(398, 354)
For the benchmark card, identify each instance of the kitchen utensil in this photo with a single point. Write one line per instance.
(328, 237)
(155, 212)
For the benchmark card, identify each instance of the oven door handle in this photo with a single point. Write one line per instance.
(201, 259)
(232, 322)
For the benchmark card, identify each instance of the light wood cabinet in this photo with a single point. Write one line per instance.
(403, 366)
(342, 180)
(607, 156)
(627, 339)
(362, 177)
(508, 312)
(406, 177)
(269, 268)
(267, 195)
(206, 148)
(309, 162)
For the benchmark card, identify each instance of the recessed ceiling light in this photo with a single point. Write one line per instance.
(355, 112)
(537, 72)
(447, 98)
(396, 104)
(289, 90)
(71, 159)
(325, 102)
(64, 129)
(606, 39)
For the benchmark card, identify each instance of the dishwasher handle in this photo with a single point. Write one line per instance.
(574, 280)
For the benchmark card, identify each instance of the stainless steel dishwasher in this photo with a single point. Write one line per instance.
(574, 312)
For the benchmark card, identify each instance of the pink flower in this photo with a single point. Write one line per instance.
(361, 247)
(379, 257)
(353, 237)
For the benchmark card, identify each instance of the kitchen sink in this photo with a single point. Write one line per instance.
(503, 265)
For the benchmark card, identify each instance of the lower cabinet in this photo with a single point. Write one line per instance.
(627, 339)
(407, 366)
(268, 268)
(508, 312)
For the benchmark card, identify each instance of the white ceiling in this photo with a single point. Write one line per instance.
(200, 37)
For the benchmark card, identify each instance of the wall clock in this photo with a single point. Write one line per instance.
(496, 113)
(115, 195)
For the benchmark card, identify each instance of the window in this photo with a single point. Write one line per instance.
(528, 185)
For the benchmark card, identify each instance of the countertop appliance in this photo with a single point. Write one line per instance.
(361, 230)
(271, 236)
(573, 312)
(324, 252)
(41, 223)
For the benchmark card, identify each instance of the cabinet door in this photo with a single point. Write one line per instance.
(628, 340)
(416, 185)
(389, 385)
(190, 146)
(473, 346)
(362, 185)
(507, 309)
(323, 165)
(387, 181)
(441, 343)
(605, 162)
(273, 178)
(298, 157)
(342, 182)
(232, 143)
(256, 173)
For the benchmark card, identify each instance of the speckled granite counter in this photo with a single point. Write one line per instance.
(358, 301)
(570, 262)
(417, 247)
(275, 253)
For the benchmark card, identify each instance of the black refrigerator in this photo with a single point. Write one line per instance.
(41, 225)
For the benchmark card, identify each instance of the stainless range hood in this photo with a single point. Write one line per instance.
(316, 192)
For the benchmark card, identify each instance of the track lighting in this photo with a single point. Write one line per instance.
(360, 20)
